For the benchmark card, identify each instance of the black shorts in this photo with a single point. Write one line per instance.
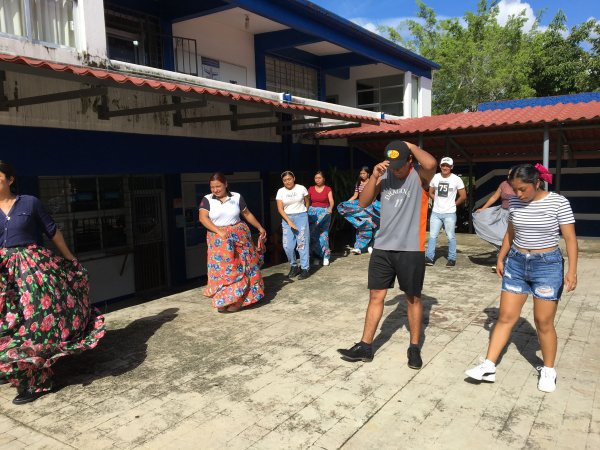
(408, 267)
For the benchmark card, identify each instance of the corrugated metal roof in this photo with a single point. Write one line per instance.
(174, 87)
(584, 97)
(469, 121)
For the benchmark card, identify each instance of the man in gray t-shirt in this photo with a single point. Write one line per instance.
(399, 250)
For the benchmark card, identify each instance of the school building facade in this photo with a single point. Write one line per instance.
(115, 113)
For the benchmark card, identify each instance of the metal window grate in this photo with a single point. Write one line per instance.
(286, 76)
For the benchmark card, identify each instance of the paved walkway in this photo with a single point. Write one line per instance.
(172, 373)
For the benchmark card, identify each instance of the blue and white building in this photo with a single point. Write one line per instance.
(115, 113)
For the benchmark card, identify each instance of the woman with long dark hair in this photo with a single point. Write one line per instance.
(234, 278)
(530, 262)
(45, 310)
(365, 220)
(319, 218)
(292, 205)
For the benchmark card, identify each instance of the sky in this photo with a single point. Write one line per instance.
(370, 13)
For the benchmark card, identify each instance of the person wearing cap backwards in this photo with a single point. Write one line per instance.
(399, 250)
(443, 189)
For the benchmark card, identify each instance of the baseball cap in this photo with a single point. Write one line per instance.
(447, 160)
(396, 152)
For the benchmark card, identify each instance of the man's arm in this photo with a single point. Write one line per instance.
(462, 196)
(427, 163)
(373, 187)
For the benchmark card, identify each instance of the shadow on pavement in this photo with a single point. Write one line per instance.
(118, 352)
(484, 259)
(523, 336)
(399, 318)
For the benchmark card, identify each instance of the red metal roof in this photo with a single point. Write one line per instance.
(172, 86)
(470, 121)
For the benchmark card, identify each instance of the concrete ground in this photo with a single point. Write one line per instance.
(173, 373)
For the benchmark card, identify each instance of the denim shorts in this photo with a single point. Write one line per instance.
(538, 274)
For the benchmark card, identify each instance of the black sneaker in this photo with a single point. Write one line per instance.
(414, 358)
(359, 352)
(450, 263)
(428, 262)
(294, 271)
(304, 274)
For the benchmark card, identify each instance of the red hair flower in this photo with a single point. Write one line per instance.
(544, 174)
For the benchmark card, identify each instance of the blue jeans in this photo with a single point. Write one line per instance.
(436, 221)
(538, 274)
(297, 240)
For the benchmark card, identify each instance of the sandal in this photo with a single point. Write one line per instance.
(232, 308)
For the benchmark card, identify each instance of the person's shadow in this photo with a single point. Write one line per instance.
(273, 284)
(118, 352)
(484, 259)
(523, 335)
(399, 318)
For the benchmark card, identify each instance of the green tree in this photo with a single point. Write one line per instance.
(482, 60)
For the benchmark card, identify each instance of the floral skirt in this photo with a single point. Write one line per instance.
(365, 220)
(234, 268)
(44, 314)
(319, 220)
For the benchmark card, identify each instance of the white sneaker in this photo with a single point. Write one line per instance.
(547, 381)
(325, 261)
(370, 249)
(356, 251)
(486, 371)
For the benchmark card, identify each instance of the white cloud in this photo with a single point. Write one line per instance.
(509, 8)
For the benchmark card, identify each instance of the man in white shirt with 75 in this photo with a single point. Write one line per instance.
(443, 189)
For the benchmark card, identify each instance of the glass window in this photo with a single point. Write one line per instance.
(40, 20)
(286, 76)
(414, 98)
(92, 212)
(381, 94)
(12, 20)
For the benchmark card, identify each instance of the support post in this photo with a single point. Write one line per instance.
(546, 155)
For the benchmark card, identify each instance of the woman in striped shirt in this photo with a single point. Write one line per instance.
(530, 262)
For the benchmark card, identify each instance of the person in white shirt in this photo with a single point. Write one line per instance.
(530, 262)
(292, 204)
(443, 189)
(234, 278)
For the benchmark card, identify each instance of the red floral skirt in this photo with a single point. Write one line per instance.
(44, 314)
(234, 268)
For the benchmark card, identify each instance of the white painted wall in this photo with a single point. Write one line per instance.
(90, 39)
(346, 89)
(218, 41)
(106, 279)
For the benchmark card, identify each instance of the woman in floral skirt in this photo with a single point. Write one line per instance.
(234, 278)
(44, 303)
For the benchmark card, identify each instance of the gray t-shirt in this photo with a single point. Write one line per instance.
(404, 206)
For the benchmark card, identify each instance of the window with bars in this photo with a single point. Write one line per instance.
(48, 21)
(296, 79)
(92, 212)
(384, 94)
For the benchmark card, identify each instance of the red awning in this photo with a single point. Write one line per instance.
(471, 121)
(178, 87)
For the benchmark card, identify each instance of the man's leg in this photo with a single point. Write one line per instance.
(415, 318)
(450, 228)
(374, 313)
(435, 225)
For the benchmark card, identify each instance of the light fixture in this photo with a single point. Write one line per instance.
(246, 22)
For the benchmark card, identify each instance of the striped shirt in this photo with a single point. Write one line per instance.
(536, 223)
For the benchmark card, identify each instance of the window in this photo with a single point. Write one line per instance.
(414, 98)
(48, 21)
(381, 94)
(286, 76)
(92, 212)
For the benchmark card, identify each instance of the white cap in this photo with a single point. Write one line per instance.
(447, 160)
